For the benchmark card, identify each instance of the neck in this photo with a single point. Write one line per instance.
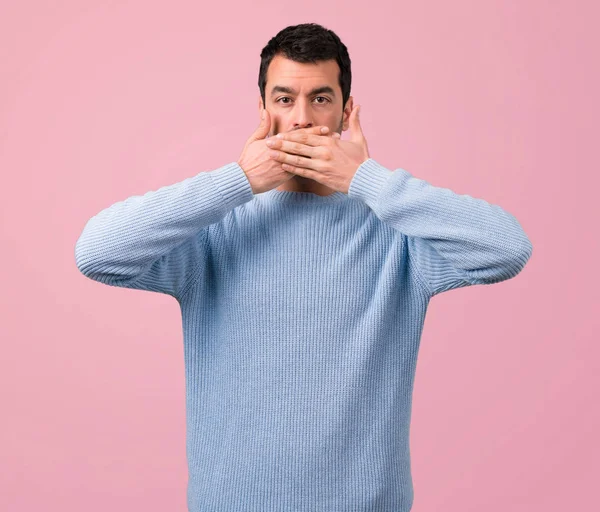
(301, 184)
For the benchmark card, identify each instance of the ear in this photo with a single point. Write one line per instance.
(346, 115)
(260, 107)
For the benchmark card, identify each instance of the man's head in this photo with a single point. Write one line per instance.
(305, 79)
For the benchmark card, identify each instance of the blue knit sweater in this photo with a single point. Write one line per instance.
(302, 317)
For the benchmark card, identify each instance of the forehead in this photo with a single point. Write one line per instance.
(283, 71)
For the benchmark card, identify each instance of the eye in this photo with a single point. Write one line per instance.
(327, 100)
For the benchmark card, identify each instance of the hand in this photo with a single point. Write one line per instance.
(328, 160)
(263, 172)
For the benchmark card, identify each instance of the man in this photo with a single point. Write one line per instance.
(303, 276)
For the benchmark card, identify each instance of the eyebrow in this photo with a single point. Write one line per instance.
(316, 90)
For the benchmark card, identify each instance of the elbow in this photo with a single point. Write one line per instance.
(96, 262)
(89, 259)
(507, 264)
(523, 254)
(84, 257)
(526, 250)
(516, 259)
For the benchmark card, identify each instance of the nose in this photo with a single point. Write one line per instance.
(302, 114)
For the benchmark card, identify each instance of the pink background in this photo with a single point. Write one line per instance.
(497, 99)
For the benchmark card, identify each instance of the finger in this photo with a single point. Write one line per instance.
(294, 160)
(355, 128)
(313, 130)
(307, 139)
(301, 171)
(263, 128)
(294, 148)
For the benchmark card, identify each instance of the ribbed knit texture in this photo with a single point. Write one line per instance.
(302, 317)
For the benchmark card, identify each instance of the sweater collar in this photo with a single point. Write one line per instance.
(286, 196)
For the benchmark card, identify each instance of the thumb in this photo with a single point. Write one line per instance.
(355, 128)
(264, 127)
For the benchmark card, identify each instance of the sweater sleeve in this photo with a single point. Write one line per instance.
(157, 241)
(454, 240)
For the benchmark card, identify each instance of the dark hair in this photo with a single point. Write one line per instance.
(307, 42)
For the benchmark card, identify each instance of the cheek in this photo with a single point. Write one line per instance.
(329, 119)
(324, 114)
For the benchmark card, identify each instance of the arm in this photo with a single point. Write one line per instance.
(157, 241)
(454, 240)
